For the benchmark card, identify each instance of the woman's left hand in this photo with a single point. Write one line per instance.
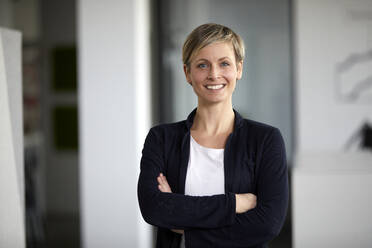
(163, 184)
(165, 188)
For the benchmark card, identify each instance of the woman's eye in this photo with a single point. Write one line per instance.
(225, 64)
(202, 66)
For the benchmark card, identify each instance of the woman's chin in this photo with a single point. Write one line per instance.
(214, 100)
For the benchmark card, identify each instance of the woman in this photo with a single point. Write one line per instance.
(214, 179)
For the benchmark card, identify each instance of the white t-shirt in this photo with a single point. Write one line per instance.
(205, 172)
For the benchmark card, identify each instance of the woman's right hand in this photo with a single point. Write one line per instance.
(245, 202)
(165, 188)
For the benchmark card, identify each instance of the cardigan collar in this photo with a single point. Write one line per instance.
(238, 121)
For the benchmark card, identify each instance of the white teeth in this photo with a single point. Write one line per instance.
(214, 87)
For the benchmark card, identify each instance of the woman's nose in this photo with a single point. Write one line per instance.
(213, 73)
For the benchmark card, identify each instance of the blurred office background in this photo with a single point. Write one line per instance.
(96, 75)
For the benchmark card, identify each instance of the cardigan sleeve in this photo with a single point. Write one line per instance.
(172, 210)
(264, 222)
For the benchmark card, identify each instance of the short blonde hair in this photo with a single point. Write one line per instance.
(207, 34)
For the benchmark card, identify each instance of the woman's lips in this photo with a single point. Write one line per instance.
(214, 86)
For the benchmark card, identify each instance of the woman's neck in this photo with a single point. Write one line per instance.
(214, 119)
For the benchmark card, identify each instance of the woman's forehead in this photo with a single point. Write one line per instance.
(216, 50)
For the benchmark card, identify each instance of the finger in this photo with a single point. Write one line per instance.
(159, 180)
(164, 178)
(160, 188)
(177, 231)
(163, 182)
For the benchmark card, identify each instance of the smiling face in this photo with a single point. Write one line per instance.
(213, 72)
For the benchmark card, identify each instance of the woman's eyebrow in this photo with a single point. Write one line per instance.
(202, 59)
(224, 58)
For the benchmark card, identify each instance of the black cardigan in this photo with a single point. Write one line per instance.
(254, 162)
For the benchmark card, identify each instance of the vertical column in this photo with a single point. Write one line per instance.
(12, 207)
(114, 112)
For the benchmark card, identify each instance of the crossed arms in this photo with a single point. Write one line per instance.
(231, 220)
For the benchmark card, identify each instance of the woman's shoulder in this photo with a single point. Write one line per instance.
(169, 128)
(259, 131)
(257, 126)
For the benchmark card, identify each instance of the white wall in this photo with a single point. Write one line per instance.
(331, 189)
(12, 207)
(114, 115)
(328, 32)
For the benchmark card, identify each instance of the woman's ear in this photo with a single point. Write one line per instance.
(239, 68)
(187, 73)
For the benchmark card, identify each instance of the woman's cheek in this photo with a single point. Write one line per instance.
(200, 78)
(231, 75)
